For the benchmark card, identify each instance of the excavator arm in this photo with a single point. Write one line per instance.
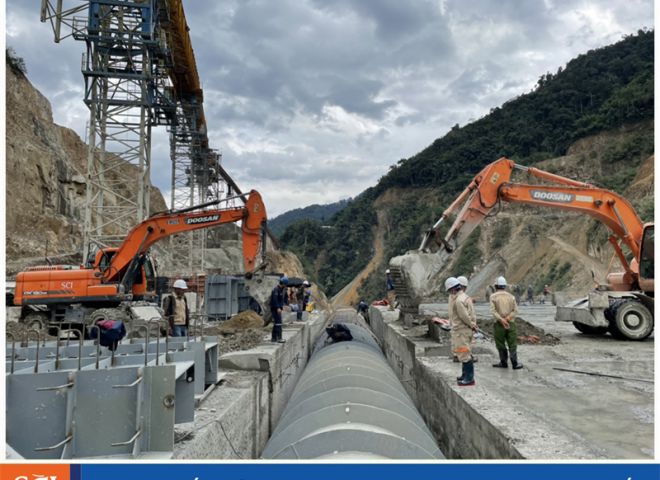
(160, 226)
(492, 185)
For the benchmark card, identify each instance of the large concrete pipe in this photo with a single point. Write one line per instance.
(349, 404)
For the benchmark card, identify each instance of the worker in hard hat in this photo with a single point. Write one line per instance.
(176, 309)
(462, 328)
(276, 306)
(473, 314)
(391, 297)
(504, 309)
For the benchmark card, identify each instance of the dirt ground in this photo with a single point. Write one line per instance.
(242, 332)
(18, 331)
(528, 334)
(238, 323)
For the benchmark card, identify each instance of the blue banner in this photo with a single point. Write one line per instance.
(362, 472)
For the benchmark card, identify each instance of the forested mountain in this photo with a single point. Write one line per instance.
(313, 212)
(599, 91)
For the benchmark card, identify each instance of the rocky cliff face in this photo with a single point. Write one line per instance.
(46, 190)
(46, 194)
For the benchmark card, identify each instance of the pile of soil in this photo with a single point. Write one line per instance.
(18, 331)
(240, 341)
(528, 334)
(238, 323)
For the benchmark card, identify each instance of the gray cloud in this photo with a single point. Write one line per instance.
(312, 100)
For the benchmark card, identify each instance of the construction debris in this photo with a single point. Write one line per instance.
(528, 334)
(240, 341)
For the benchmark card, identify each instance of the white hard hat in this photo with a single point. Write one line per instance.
(500, 282)
(451, 283)
(181, 284)
(462, 280)
(305, 282)
(387, 271)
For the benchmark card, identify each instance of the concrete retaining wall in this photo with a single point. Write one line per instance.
(238, 417)
(283, 362)
(461, 432)
(233, 422)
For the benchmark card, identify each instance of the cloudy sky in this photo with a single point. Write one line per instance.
(311, 101)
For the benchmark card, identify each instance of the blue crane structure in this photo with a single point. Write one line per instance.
(140, 72)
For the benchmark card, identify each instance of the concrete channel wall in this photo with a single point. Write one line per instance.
(249, 407)
(461, 432)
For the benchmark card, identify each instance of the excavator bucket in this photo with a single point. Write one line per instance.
(416, 274)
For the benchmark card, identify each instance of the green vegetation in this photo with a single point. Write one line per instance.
(556, 275)
(635, 149)
(313, 212)
(346, 241)
(595, 92)
(619, 181)
(16, 63)
(645, 208)
(623, 162)
(374, 287)
(470, 255)
(407, 222)
(501, 234)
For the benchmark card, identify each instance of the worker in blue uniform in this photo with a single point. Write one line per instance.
(276, 306)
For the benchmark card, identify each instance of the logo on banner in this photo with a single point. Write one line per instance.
(37, 477)
(202, 220)
(29, 471)
(556, 197)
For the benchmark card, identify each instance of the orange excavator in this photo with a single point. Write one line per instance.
(116, 277)
(623, 305)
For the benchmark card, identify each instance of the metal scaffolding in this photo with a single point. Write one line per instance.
(140, 72)
(195, 177)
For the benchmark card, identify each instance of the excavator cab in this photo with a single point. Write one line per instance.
(144, 281)
(144, 278)
(647, 256)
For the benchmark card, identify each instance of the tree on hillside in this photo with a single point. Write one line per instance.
(16, 63)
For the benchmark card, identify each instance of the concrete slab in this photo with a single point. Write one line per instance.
(546, 413)
(13, 314)
(145, 313)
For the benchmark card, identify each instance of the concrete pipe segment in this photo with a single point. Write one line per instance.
(349, 404)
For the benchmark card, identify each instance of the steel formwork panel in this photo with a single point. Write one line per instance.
(101, 405)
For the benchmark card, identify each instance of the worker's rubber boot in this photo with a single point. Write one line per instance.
(503, 359)
(459, 379)
(468, 368)
(514, 360)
